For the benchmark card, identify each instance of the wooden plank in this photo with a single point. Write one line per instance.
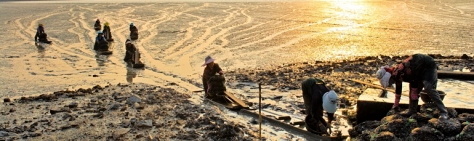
(278, 115)
(196, 91)
(297, 122)
(235, 99)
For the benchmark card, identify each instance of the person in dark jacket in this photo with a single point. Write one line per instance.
(130, 50)
(420, 72)
(97, 22)
(211, 70)
(39, 30)
(133, 28)
(317, 97)
(106, 31)
(100, 37)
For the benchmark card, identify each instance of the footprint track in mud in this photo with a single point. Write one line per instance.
(217, 29)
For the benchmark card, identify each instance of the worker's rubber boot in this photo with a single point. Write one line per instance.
(413, 107)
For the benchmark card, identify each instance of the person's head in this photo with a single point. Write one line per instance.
(98, 19)
(106, 23)
(100, 33)
(128, 41)
(131, 24)
(383, 74)
(40, 24)
(208, 61)
(330, 102)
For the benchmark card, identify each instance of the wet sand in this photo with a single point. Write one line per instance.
(260, 37)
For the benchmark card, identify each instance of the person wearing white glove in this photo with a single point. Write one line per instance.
(420, 71)
(318, 98)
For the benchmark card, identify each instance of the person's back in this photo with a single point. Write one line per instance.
(130, 47)
(40, 32)
(100, 38)
(133, 28)
(40, 29)
(317, 97)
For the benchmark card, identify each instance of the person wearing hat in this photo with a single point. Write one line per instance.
(106, 31)
(97, 22)
(130, 50)
(317, 97)
(211, 70)
(97, 25)
(39, 30)
(100, 37)
(133, 27)
(420, 72)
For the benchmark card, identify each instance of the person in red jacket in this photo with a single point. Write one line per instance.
(420, 71)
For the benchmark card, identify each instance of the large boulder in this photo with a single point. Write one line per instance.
(401, 128)
(366, 125)
(384, 136)
(421, 118)
(466, 117)
(448, 127)
(426, 133)
(467, 133)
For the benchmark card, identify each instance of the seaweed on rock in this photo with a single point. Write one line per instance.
(448, 127)
(364, 126)
(426, 133)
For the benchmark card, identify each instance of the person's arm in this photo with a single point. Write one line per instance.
(218, 69)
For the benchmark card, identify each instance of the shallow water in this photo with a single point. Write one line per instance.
(175, 37)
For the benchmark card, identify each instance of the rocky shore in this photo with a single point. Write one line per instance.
(121, 112)
(146, 112)
(337, 75)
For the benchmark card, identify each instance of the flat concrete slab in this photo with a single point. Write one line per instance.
(372, 107)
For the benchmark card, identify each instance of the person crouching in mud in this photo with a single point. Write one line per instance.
(317, 97)
(39, 30)
(420, 71)
(100, 37)
(97, 22)
(211, 70)
(130, 50)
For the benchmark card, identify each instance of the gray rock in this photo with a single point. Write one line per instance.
(133, 121)
(73, 105)
(133, 99)
(115, 106)
(145, 123)
(120, 132)
(4, 134)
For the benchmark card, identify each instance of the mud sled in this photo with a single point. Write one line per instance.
(134, 60)
(43, 39)
(218, 93)
(217, 89)
(102, 48)
(108, 35)
(134, 35)
(97, 27)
